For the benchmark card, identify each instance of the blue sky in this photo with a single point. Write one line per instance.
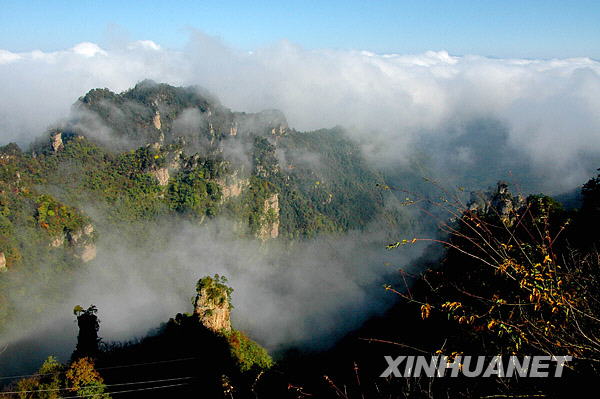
(502, 28)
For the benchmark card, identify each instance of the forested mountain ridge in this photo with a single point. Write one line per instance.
(158, 152)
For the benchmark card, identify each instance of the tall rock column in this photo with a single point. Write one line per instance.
(213, 303)
(87, 340)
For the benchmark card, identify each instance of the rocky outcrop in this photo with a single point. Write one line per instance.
(232, 186)
(156, 146)
(3, 266)
(161, 175)
(56, 141)
(270, 226)
(81, 241)
(156, 120)
(212, 304)
(233, 130)
(84, 233)
(499, 204)
(279, 131)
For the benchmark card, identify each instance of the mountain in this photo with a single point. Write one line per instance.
(156, 153)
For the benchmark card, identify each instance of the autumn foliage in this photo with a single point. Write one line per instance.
(517, 277)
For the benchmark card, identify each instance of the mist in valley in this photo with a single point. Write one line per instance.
(460, 120)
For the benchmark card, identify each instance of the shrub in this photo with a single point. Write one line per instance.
(248, 354)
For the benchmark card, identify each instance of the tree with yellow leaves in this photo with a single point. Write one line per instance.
(46, 384)
(83, 379)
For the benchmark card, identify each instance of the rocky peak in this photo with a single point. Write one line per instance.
(87, 340)
(499, 204)
(213, 303)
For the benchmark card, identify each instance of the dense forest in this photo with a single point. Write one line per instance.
(517, 275)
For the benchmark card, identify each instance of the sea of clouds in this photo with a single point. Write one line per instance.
(388, 101)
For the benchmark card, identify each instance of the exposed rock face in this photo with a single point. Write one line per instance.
(279, 131)
(76, 237)
(2, 262)
(270, 227)
(56, 141)
(232, 186)
(156, 120)
(161, 175)
(500, 204)
(233, 130)
(212, 305)
(266, 171)
(82, 244)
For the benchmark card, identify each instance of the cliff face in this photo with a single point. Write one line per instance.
(270, 226)
(232, 186)
(212, 305)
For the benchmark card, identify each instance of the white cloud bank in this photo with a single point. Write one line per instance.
(551, 107)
